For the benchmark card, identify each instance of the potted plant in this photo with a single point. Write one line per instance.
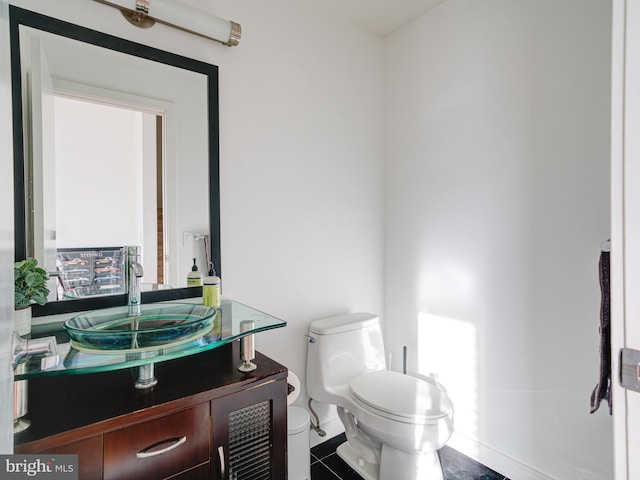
(30, 287)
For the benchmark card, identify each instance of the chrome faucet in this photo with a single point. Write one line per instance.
(134, 273)
(46, 346)
(23, 349)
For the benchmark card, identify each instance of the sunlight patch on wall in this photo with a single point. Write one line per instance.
(447, 347)
(448, 287)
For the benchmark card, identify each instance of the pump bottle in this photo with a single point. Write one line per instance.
(194, 278)
(211, 288)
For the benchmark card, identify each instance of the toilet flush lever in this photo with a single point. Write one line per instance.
(311, 339)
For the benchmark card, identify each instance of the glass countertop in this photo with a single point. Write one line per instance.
(231, 315)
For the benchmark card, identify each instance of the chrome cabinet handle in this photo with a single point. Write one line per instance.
(223, 469)
(176, 444)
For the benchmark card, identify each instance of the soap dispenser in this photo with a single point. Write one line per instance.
(211, 288)
(194, 278)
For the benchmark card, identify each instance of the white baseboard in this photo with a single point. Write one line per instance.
(493, 459)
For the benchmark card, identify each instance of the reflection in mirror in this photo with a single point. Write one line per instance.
(109, 172)
(116, 144)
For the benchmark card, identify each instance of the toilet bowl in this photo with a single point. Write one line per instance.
(394, 423)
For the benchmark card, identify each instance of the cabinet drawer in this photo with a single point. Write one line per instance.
(89, 453)
(158, 448)
(201, 472)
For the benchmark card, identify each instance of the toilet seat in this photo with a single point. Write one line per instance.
(399, 397)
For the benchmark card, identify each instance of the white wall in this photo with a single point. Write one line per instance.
(301, 170)
(106, 175)
(98, 163)
(301, 151)
(497, 200)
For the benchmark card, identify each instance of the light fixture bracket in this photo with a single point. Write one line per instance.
(140, 16)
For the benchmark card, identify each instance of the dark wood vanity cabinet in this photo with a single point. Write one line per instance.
(203, 420)
(244, 429)
(159, 448)
(89, 451)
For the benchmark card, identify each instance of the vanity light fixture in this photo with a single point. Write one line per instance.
(145, 13)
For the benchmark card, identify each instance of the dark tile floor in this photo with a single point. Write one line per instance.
(326, 465)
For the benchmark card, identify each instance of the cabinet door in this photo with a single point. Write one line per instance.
(249, 433)
(159, 448)
(89, 453)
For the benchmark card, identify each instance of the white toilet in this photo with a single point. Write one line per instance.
(394, 423)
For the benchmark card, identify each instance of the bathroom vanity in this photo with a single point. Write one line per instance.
(204, 419)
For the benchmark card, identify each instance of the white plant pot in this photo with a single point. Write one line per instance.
(22, 321)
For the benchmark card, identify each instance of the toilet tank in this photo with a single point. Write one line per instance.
(342, 348)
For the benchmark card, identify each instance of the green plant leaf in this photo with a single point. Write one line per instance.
(39, 298)
(30, 283)
(32, 279)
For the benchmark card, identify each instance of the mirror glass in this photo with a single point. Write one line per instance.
(116, 144)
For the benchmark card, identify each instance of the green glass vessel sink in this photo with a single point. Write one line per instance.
(158, 326)
(79, 355)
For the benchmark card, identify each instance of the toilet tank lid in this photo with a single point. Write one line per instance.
(343, 323)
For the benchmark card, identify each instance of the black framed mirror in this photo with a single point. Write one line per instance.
(186, 130)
